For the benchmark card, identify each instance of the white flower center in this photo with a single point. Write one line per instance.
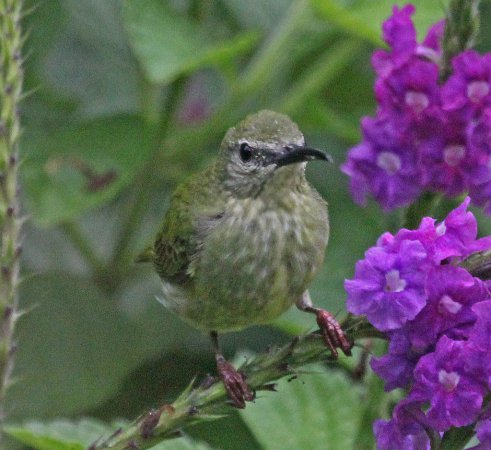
(417, 101)
(393, 281)
(453, 154)
(477, 90)
(446, 304)
(449, 380)
(389, 162)
(441, 229)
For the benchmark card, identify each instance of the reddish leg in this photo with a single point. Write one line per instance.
(330, 329)
(234, 382)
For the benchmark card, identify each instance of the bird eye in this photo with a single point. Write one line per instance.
(245, 152)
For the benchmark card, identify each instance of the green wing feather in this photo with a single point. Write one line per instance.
(179, 238)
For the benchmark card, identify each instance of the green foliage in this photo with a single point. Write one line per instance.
(62, 169)
(354, 20)
(313, 411)
(79, 333)
(169, 45)
(126, 98)
(65, 435)
(309, 412)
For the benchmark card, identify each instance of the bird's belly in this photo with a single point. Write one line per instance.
(251, 269)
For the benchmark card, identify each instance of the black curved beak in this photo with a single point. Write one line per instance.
(298, 153)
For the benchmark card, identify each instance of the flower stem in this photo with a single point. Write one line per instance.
(461, 28)
(208, 400)
(11, 78)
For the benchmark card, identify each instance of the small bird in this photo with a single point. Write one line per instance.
(243, 239)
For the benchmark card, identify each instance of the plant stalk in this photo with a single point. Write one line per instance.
(461, 28)
(11, 79)
(208, 400)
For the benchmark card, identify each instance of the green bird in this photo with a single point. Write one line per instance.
(243, 239)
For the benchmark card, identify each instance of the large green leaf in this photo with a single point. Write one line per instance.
(65, 435)
(316, 412)
(90, 62)
(56, 188)
(168, 44)
(76, 345)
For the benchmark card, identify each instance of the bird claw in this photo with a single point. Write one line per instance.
(332, 333)
(235, 384)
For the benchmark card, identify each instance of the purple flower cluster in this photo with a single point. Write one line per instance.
(426, 135)
(437, 317)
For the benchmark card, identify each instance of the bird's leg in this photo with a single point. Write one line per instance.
(234, 382)
(331, 331)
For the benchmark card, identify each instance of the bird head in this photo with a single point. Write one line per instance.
(266, 148)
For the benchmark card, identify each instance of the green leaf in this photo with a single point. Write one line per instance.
(330, 65)
(65, 435)
(457, 438)
(76, 346)
(347, 21)
(317, 411)
(168, 44)
(59, 434)
(354, 20)
(57, 186)
(91, 61)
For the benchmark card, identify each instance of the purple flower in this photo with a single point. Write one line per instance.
(479, 136)
(405, 429)
(396, 367)
(400, 278)
(389, 286)
(400, 34)
(431, 45)
(468, 88)
(481, 332)
(384, 164)
(449, 163)
(451, 293)
(456, 236)
(411, 90)
(399, 31)
(443, 378)
(483, 433)
(437, 317)
(425, 136)
(389, 436)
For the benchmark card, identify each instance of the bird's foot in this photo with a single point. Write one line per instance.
(332, 333)
(234, 382)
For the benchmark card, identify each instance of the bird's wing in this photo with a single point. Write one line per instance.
(193, 204)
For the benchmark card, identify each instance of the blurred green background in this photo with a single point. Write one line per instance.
(126, 98)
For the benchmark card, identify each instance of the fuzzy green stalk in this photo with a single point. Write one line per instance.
(208, 400)
(11, 78)
(461, 28)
